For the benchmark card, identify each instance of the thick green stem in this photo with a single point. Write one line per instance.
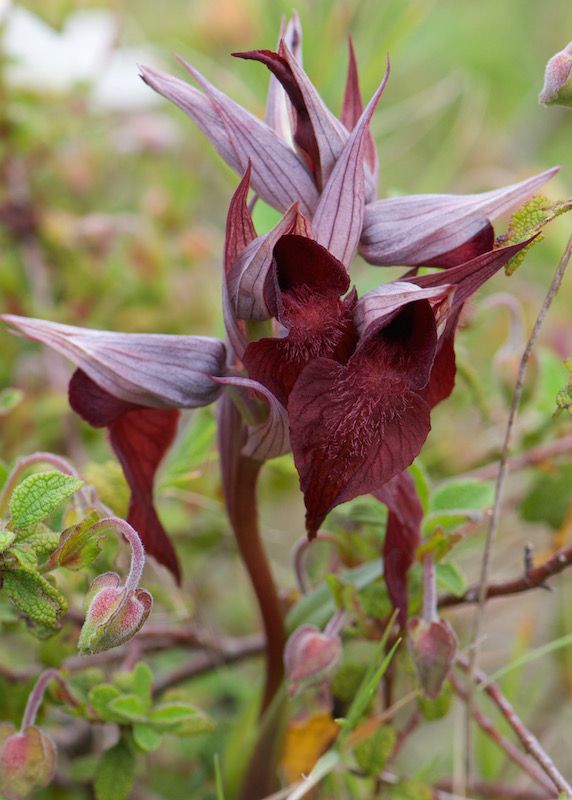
(244, 519)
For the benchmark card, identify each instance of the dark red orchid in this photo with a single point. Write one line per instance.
(347, 382)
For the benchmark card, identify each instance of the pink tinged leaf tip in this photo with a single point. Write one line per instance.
(279, 114)
(435, 229)
(152, 370)
(402, 537)
(306, 299)
(140, 438)
(355, 427)
(352, 108)
(27, 761)
(339, 216)
(557, 89)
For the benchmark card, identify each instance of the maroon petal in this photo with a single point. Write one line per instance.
(240, 232)
(423, 229)
(442, 379)
(250, 279)
(339, 215)
(352, 109)
(355, 427)
(402, 537)
(150, 369)
(280, 115)
(309, 283)
(278, 175)
(140, 438)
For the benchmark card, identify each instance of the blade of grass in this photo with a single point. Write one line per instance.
(533, 655)
(218, 778)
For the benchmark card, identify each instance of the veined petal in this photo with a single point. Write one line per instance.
(377, 306)
(269, 438)
(140, 438)
(355, 427)
(352, 109)
(419, 229)
(339, 215)
(279, 113)
(240, 232)
(278, 175)
(152, 370)
(309, 283)
(402, 537)
(250, 279)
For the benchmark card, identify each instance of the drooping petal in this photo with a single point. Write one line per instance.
(402, 537)
(140, 438)
(279, 113)
(250, 282)
(355, 427)
(421, 229)
(339, 215)
(278, 176)
(152, 370)
(352, 108)
(309, 285)
(270, 437)
(444, 370)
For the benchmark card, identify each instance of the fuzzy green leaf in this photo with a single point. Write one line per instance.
(128, 706)
(463, 495)
(451, 578)
(146, 737)
(180, 718)
(39, 495)
(115, 773)
(6, 539)
(79, 545)
(36, 598)
(372, 755)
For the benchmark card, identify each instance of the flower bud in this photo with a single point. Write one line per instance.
(112, 618)
(557, 89)
(433, 646)
(310, 654)
(27, 761)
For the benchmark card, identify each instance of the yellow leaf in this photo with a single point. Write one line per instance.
(306, 740)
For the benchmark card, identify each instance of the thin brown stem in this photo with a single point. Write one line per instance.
(533, 579)
(512, 752)
(500, 481)
(529, 741)
(36, 696)
(533, 457)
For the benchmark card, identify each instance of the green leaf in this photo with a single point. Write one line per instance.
(36, 598)
(115, 773)
(410, 790)
(218, 778)
(146, 737)
(180, 718)
(372, 755)
(422, 485)
(451, 578)
(129, 707)
(463, 495)
(139, 682)
(6, 539)
(41, 539)
(446, 521)
(37, 496)
(528, 220)
(549, 498)
(25, 556)
(100, 697)
(79, 545)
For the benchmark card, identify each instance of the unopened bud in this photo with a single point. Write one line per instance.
(433, 646)
(557, 89)
(27, 761)
(112, 618)
(309, 655)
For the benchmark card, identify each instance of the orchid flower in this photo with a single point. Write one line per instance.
(348, 383)
(294, 152)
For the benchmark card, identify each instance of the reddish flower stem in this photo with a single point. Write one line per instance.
(36, 696)
(23, 464)
(137, 551)
(244, 519)
(529, 741)
(429, 590)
